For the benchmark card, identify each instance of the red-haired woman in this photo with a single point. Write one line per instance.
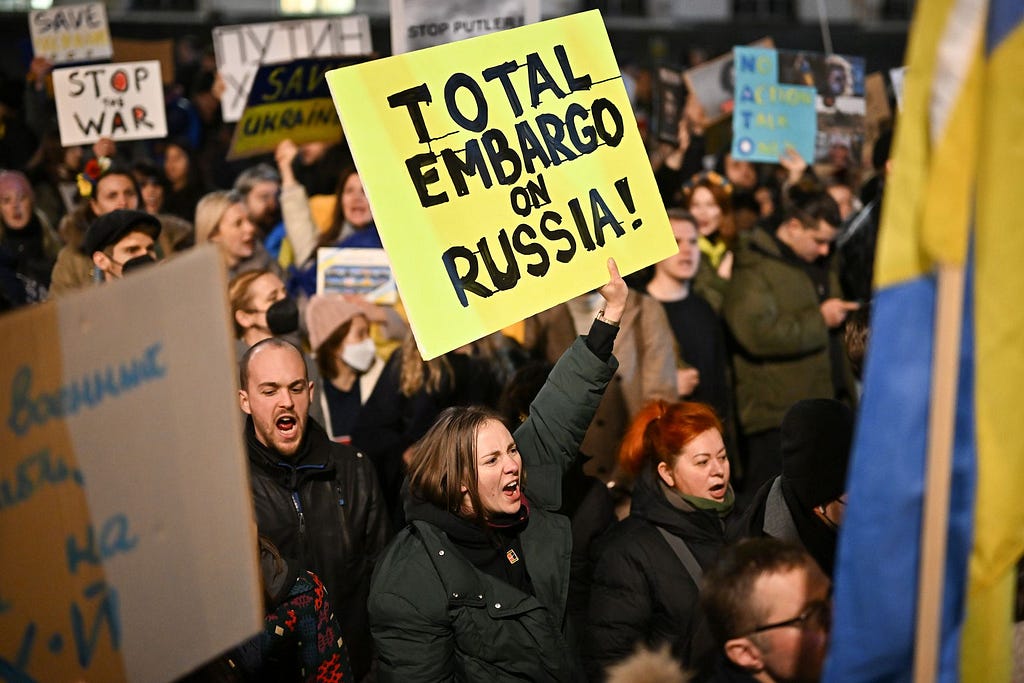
(647, 578)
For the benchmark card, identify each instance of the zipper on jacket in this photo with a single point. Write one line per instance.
(298, 509)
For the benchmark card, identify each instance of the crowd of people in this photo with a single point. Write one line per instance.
(659, 463)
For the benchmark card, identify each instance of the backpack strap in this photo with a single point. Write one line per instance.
(684, 554)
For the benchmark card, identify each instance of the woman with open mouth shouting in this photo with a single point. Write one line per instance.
(647, 578)
(475, 587)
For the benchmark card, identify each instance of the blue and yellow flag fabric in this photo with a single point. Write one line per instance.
(953, 198)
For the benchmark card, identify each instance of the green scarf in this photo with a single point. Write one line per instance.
(675, 497)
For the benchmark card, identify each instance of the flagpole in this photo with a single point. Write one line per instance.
(938, 471)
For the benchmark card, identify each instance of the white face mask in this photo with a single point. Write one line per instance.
(359, 356)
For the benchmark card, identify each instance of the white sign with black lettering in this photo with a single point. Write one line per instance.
(416, 24)
(71, 33)
(241, 49)
(121, 101)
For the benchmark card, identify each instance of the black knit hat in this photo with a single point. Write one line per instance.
(111, 227)
(816, 437)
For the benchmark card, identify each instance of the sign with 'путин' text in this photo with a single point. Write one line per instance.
(71, 33)
(121, 101)
(241, 49)
(502, 172)
(110, 557)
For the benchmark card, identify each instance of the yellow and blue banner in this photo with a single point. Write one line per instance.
(952, 199)
(288, 102)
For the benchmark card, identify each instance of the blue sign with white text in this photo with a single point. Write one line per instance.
(769, 116)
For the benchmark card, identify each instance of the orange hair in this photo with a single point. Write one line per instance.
(661, 429)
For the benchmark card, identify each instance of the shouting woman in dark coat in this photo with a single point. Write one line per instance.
(646, 582)
(475, 588)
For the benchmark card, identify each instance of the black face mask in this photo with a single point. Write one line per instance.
(137, 263)
(283, 317)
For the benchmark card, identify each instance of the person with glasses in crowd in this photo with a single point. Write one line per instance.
(769, 609)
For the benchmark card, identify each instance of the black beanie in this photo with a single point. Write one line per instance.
(816, 437)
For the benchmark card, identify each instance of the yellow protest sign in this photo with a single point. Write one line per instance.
(503, 171)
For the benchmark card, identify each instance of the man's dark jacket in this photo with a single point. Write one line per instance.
(323, 509)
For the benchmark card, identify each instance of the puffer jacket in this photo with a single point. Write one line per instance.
(642, 593)
(324, 511)
(772, 309)
(436, 617)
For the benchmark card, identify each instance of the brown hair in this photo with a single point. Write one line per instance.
(444, 461)
(239, 297)
(327, 353)
(727, 591)
(661, 429)
(416, 374)
(328, 238)
(721, 190)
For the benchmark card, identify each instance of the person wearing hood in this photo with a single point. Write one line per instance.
(646, 582)
(475, 587)
(28, 245)
(805, 504)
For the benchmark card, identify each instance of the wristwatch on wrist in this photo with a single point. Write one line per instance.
(600, 316)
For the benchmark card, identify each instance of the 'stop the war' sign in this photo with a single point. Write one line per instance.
(503, 171)
(122, 101)
(71, 33)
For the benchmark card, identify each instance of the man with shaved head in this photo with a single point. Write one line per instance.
(318, 501)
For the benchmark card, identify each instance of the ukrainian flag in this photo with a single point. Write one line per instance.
(954, 202)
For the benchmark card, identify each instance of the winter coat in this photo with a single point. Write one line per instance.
(772, 309)
(645, 349)
(642, 593)
(436, 617)
(323, 510)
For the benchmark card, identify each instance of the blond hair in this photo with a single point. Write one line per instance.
(210, 210)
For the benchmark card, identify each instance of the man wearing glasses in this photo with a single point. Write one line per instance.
(769, 608)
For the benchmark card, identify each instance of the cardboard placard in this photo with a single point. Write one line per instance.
(127, 50)
(503, 172)
(366, 272)
(121, 101)
(770, 116)
(129, 542)
(288, 101)
(242, 48)
(712, 83)
(416, 24)
(71, 33)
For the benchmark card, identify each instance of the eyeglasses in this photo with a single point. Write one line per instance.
(817, 614)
